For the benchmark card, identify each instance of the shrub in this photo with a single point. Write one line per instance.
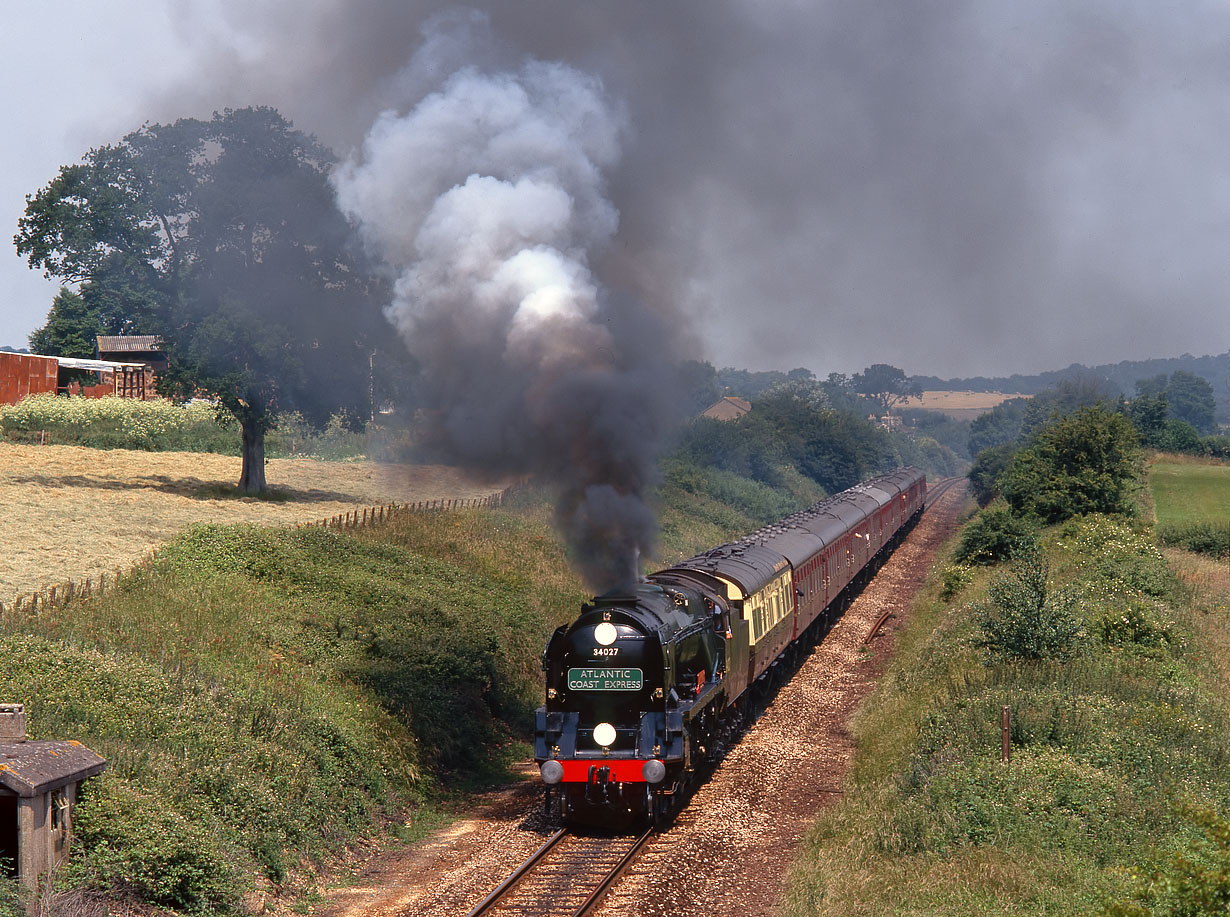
(1135, 622)
(138, 846)
(994, 536)
(11, 898)
(1022, 619)
(1193, 881)
(756, 500)
(1179, 436)
(1217, 446)
(1115, 556)
(1087, 462)
(1210, 538)
(955, 577)
(161, 426)
(989, 466)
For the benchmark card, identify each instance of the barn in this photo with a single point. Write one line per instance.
(23, 374)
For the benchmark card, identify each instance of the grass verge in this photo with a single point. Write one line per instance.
(267, 696)
(1114, 752)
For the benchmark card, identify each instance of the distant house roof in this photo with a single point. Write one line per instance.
(34, 768)
(729, 408)
(128, 343)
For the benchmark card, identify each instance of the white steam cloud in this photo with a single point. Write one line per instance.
(488, 200)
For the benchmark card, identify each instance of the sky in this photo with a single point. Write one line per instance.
(954, 188)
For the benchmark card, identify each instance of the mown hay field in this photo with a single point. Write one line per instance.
(960, 405)
(72, 512)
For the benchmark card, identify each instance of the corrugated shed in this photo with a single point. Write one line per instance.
(23, 374)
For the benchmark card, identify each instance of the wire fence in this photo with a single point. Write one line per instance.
(62, 594)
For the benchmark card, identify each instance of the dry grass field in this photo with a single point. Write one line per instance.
(960, 405)
(72, 512)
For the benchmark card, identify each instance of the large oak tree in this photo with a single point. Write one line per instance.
(224, 238)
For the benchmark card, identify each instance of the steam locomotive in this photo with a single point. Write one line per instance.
(641, 688)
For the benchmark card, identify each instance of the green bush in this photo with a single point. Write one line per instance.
(759, 502)
(954, 578)
(1115, 556)
(161, 426)
(1086, 462)
(137, 846)
(1209, 538)
(1023, 619)
(1217, 446)
(989, 466)
(12, 898)
(1191, 882)
(994, 536)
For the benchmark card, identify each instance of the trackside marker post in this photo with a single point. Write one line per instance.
(1005, 723)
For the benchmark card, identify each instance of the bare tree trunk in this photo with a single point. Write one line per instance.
(252, 475)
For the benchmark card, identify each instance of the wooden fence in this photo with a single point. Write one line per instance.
(63, 593)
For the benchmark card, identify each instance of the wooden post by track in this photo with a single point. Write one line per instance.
(1005, 727)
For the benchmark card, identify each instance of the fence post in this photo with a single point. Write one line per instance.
(1005, 727)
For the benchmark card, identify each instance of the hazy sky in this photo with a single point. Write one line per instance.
(955, 188)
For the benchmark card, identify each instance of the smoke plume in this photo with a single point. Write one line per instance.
(952, 187)
(488, 200)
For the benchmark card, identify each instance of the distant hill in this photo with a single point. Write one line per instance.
(14, 350)
(1122, 376)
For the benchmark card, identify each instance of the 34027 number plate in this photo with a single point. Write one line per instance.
(605, 679)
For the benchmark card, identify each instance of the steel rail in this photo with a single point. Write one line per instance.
(941, 488)
(589, 903)
(933, 495)
(504, 887)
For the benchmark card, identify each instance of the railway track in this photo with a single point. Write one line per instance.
(566, 877)
(933, 495)
(942, 487)
(569, 874)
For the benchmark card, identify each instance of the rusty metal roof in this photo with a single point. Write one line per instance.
(128, 343)
(33, 768)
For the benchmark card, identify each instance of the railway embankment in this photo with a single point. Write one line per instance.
(1051, 737)
(273, 699)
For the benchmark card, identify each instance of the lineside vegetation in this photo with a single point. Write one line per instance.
(1115, 799)
(162, 426)
(266, 696)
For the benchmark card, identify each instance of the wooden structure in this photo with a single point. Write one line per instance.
(729, 408)
(127, 380)
(133, 348)
(38, 789)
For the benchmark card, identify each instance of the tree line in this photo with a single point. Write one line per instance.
(817, 428)
(1074, 450)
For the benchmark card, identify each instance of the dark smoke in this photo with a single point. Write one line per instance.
(487, 197)
(1021, 185)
